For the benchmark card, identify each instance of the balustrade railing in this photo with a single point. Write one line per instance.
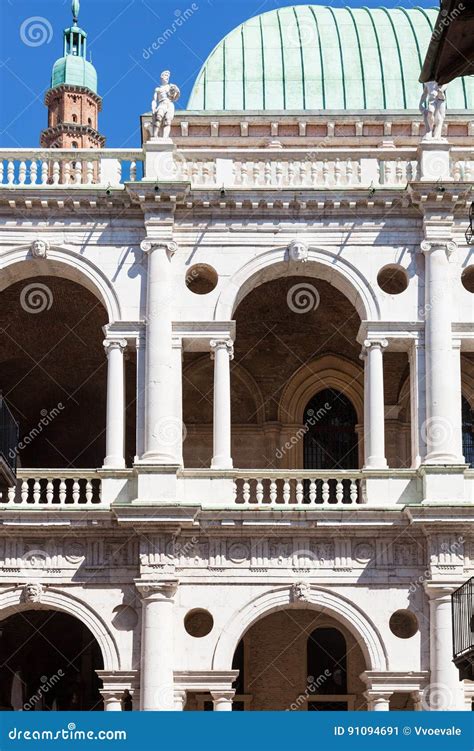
(298, 488)
(207, 168)
(49, 488)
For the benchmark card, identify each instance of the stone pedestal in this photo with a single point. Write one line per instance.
(434, 160)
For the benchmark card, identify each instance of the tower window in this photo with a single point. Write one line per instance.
(89, 121)
(74, 118)
(74, 145)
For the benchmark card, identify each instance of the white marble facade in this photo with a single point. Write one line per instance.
(164, 538)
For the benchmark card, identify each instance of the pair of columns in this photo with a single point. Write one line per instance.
(163, 382)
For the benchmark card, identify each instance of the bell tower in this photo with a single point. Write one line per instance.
(72, 99)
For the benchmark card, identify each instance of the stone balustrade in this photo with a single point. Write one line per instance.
(290, 488)
(54, 488)
(241, 169)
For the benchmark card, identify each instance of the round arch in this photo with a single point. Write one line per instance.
(18, 264)
(321, 264)
(317, 599)
(327, 372)
(51, 599)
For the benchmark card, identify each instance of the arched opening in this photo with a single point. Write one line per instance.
(468, 432)
(53, 373)
(285, 669)
(48, 661)
(330, 440)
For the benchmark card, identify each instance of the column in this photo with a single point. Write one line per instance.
(444, 691)
(222, 700)
(377, 700)
(180, 697)
(456, 346)
(115, 426)
(416, 357)
(374, 432)
(157, 658)
(439, 429)
(222, 352)
(115, 684)
(112, 700)
(161, 423)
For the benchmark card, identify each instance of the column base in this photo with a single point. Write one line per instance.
(157, 458)
(376, 462)
(114, 462)
(222, 462)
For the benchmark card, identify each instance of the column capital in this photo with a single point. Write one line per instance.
(161, 590)
(441, 591)
(429, 246)
(227, 344)
(149, 244)
(379, 343)
(110, 344)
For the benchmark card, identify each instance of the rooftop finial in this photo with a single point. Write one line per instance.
(75, 10)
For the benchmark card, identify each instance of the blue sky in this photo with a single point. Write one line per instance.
(119, 33)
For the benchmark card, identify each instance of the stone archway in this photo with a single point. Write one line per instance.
(306, 596)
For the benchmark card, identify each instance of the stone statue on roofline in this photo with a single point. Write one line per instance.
(162, 106)
(433, 109)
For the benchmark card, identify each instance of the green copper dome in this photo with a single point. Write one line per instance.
(73, 68)
(313, 57)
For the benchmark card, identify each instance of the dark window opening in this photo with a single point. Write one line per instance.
(468, 432)
(327, 662)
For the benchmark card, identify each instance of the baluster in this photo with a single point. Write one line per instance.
(279, 174)
(399, 171)
(388, 173)
(291, 173)
(349, 172)
(36, 491)
(119, 172)
(22, 173)
(273, 491)
(259, 491)
(286, 491)
(245, 173)
(312, 491)
(299, 491)
(89, 491)
(234, 491)
(195, 173)
(133, 171)
(56, 173)
(467, 171)
(314, 174)
(89, 173)
(44, 172)
(246, 491)
(49, 491)
(339, 491)
(256, 173)
(11, 494)
(1, 171)
(206, 171)
(67, 173)
(99, 492)
(457, 171)
(268, 173)
(325, 172)
(354, 493)
(359, 172)
(325, 491)
(62, 490)
(76, 491)
(337, 171)
(11, 171)
(25, 491)
(78, 173)
(33, 172)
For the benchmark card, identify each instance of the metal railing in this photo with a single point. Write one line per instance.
(9, 436)
(463, 629)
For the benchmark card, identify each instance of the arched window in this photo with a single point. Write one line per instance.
(468, 432)
(327, 662)
(74, 118)
(330, 441)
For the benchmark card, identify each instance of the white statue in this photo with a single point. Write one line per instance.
(298, 251)
(433, 109)
(162, 106)
(32, 592)
(39, 248)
